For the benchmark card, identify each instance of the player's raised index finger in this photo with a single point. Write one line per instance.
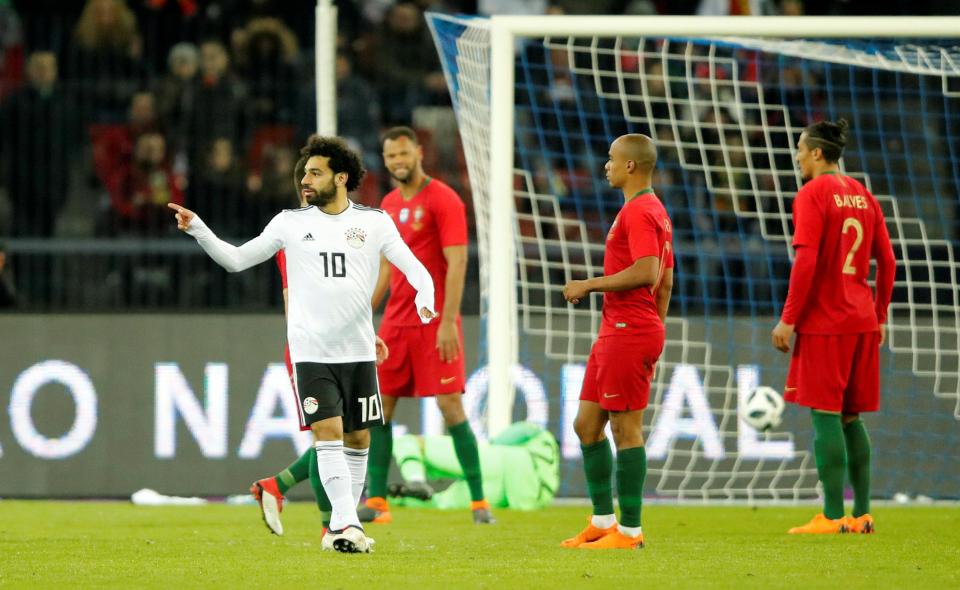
(175, 207)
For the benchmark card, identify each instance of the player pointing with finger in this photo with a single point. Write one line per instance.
(835, 367)
(333, 249)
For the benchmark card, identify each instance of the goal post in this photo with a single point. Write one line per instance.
(325, 66)
(538, 99)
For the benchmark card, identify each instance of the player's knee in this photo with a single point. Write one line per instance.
(588, 431)
(359, 439)
(329, 429)
(628, 440)
(625, 435)
(451, 407)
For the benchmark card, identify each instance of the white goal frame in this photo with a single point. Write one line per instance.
(505, 30)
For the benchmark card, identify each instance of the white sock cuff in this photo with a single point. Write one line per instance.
(603, 521)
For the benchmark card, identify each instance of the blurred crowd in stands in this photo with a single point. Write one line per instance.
(110, 109)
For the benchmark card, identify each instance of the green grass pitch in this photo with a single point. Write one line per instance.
(118, 545)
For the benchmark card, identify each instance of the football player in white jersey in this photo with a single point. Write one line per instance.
(333, 248)
(269, 491)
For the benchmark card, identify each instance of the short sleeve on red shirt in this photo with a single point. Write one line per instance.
(451, 217)
(641, 233)
(282, 265)
(807, 217)
(642, 229)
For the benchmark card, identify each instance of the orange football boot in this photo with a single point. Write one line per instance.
(268, 496)
(821, 525)
(591, 533)
(860, 524)
(481, 512)
(378, 511)
(615, 540)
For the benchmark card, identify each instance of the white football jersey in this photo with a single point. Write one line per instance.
(333, 262)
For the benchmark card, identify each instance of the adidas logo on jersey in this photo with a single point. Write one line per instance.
(307, 238)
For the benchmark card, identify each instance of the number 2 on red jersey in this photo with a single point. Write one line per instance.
(854, 223)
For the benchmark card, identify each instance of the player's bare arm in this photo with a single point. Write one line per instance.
(781, 336)
(383, 284)
(664, 290)
(642, 273)
(399, 255)
(448, 338)
(383, 353)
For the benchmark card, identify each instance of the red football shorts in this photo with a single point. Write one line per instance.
(835, 373)
(619, 371)
(414, 368)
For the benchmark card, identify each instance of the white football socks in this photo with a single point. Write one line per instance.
(336, 480)
(357, 463)
(603, 521)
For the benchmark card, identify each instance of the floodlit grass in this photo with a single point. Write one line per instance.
(118, 545)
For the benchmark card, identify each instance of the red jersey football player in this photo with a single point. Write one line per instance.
(636, 285)
(425, 360)
(839, 322)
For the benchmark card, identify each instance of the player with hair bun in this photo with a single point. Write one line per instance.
(839, 322)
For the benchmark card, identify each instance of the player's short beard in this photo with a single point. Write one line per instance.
(323, 197)
(404, 179)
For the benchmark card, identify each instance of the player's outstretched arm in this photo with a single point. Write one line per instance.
(663, 294)
(399, 254)
(232, 258)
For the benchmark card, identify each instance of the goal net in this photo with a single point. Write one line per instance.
(725, 114)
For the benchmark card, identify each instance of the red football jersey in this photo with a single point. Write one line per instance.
(432, 220)
(282, 265)
(641, 229)
(841, 222)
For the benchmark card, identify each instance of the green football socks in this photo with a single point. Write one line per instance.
(858, 465)
(631, 471)
(298, 471)
(465, 445)
(598, 468)
(323, 503)
(830, 451)
(378, 465)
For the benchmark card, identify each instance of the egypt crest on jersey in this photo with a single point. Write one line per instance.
(356, 237)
